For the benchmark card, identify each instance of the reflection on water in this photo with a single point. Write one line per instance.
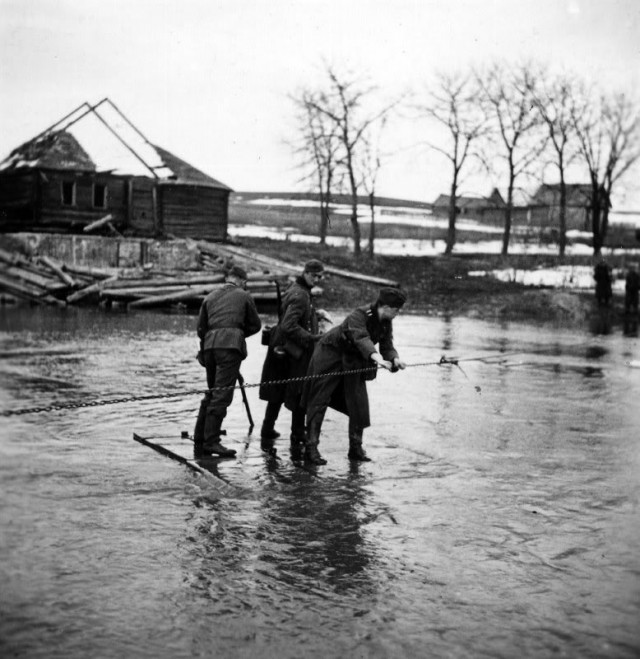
(499, 517)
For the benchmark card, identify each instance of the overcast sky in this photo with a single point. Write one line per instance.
(209, 79)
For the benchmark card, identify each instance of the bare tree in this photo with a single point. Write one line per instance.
(370, 165)
(452, 105)
(608, 129)
(319, 149)
(506, 96)
(554, 98)
(343, 103)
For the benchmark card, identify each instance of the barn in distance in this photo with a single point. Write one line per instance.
(93, 165)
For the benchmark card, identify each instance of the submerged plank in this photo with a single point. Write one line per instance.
(160, 447)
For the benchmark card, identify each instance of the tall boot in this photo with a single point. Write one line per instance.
(311, 453)
(268, 432)
(298, 433)
(356, 452)
(212, 431)
(198, 431)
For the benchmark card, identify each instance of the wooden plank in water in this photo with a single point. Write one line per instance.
(160, 444)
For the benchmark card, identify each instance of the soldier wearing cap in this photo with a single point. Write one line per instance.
(227, 316)
(290, 349)
(351, 346)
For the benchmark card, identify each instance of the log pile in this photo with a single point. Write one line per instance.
(44, 280)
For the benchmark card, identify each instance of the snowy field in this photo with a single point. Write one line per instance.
(576, 277)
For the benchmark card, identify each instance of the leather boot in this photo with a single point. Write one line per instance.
(311, 453)
(296, 447)
(268, 432)
(212, 432)
(298, 431)
(356, 452)
(198, 431)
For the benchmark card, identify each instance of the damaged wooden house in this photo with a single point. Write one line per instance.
(94, 167)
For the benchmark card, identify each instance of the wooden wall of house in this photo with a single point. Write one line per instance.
(18, 195)
(32, 200)
(142, 208)
(56, 215)
(195, 211)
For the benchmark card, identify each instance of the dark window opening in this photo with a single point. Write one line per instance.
(68, 193)
(99, 195)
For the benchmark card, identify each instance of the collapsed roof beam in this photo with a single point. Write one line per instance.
(117, 109)
(122, 141)
(57, 123)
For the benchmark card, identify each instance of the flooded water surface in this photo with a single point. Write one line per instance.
(499, 517)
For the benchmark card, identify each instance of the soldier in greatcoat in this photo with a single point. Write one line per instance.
(351, 346)
(290, 349)
(227, 316)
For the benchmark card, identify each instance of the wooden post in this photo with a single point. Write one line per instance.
(154, 206)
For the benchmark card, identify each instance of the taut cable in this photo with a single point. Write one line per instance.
(193, 392)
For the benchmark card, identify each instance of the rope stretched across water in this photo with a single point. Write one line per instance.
(192, 392)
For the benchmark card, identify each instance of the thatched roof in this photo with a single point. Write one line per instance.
(59, 150)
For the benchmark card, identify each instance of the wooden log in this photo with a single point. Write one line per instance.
(94, 273)
(272, 263)
(39, 279)
(185, 294)
(13, 258)
(348, 274)
(56, 268)
(149, 291)
(28, 292)
(93, 288)
(297, 269)
(98, 223)
(169, 281)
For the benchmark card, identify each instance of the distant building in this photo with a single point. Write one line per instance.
(544, 207)
(93, 163)
(488, 209)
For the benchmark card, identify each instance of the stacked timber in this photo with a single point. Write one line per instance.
(43, 280)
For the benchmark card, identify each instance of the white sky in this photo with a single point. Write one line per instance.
(209, 79)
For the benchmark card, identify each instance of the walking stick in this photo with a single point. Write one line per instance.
(245, 401)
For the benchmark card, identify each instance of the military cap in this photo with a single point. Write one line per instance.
(391, 297)
(314, 267)
(237, 271)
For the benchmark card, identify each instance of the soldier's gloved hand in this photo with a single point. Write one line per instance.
(398, 365)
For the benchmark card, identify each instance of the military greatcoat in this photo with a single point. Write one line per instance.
(348, 347)
(291, 346)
